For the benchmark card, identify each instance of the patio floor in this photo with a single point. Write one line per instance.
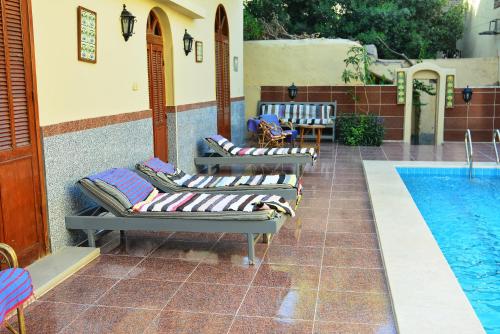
(321, 274)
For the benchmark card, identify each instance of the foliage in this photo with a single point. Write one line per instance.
(357, 64)
(418, 28)
(361, 129)
(252, 27)
(420, 87)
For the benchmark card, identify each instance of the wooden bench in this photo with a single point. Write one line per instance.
(309, 113)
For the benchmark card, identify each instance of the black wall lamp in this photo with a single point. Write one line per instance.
(493, 29)
(188, 42)
(292, 91)
(128, 20)
(467, 94)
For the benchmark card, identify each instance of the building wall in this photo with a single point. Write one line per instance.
(96, 116)
(478, 17)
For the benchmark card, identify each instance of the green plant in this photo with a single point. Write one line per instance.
(360, 129)
(357, 68)
(252, 27)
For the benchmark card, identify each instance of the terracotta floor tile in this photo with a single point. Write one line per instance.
(48, 317)
(112, 320)
(309, 256)
(163, 269)
(223, 273)
(349, 204)
(198, 237)
(336, 328)
(310, 202)
(287, 276)
(235, 252)
(195, 297)
(305, 224)
(189, 251)
(299, 237)
(352, 240)
(352, 307)
(351, 226)
(110, 266)
(132, 246)
(80, 289)
(250, 325)
(172, 322)
(313, 214)
(139, 294)
(350, 214)
(279, 303)
(354, 280)
(352, 257)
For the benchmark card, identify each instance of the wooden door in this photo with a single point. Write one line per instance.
(156, 75)
(21, 222)
(223, 94)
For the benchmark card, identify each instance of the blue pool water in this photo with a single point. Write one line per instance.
(464, 217)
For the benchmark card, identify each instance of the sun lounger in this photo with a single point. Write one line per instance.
(169, 179)
(130, 204)
(226, 154)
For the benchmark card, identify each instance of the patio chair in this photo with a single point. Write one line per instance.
(15, 288)
(227, 154)
(271, 135)
(170, 179)
(128, 202)
(290, 133)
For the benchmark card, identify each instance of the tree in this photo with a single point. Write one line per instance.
(419, 28)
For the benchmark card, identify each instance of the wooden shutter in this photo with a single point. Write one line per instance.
(14, 105)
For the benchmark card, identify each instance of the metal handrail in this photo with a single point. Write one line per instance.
(469, 152)
(496, 135)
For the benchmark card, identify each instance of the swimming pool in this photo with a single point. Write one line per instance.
(464, 218)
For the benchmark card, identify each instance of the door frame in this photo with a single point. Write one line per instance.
(222, 9)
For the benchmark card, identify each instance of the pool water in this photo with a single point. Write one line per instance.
(464, 217)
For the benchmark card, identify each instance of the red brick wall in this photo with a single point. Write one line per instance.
(481, 118)
(382, 102)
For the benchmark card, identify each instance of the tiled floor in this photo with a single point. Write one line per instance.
(321, 274)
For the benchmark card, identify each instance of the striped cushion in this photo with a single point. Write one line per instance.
(15, 289)
(135, 188)
(200, 202)
(300, 113)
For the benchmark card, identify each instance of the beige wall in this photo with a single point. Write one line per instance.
(316, 62)
(72, 90)
(479, 14)
(470, 71)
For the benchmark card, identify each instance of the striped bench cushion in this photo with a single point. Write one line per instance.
(15, 288)
(201, 202)
(317, 114)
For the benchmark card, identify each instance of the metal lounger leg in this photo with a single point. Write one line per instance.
(20, 320)
(251, 248)
(266, 238)
(91, 237)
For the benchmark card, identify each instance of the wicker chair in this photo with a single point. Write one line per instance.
(271, 135)
(16, 282)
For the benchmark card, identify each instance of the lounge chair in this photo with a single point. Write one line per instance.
(167, 178)
(128, 202)
(226, 154)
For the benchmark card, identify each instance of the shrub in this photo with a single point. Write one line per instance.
(364, 130)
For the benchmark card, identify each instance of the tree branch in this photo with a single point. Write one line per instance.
(402, 55)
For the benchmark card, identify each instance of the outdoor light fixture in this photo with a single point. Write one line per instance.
(128, 20)
(188, 42)
(292, 91)
(467, 94)
(493, 28)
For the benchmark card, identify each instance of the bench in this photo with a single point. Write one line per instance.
(310, 113)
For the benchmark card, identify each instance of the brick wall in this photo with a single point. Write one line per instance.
(382, 102)
(481, 118)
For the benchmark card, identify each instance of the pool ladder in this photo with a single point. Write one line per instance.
(496, 136)
(469, 153)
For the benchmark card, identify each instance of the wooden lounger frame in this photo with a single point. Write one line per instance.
(92, 220)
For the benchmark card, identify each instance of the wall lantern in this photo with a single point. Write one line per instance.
(467, 94)
(128, 20)
(188, 42)
(493, 29)
(292, 91)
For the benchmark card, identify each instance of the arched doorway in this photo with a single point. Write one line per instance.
(156, 76)
(223, 94)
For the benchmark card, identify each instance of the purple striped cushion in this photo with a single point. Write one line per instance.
(217, 138)
(15, 289)
(134, 187)
(160, 166)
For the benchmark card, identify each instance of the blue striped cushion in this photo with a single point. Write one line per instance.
(160, 166)
(134, 187)
(15, 289)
